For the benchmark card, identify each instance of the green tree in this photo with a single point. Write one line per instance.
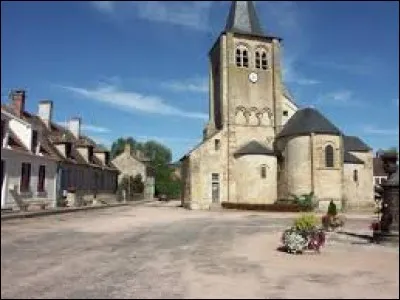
(137, 184)
(159, 157)
(119, 146)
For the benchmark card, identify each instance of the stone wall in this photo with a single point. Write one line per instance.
(129, 166)
(250, 186)
(197, 172)
(365, 191)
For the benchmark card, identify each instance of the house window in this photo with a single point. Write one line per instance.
(285, 113)
(377, 180)
(90, 154)
(68, 150)
(106, 158)
(329, 156)
(41, 178)
(355, 175)
(263, 171)
(34, 141)
(217, 144)
(25, 177)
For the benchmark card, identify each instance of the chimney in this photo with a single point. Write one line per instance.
(74, 125)
(18, 101)
(45, 111)
(128, 148)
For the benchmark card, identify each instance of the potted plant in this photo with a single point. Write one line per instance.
(331, 221)
(303, 235)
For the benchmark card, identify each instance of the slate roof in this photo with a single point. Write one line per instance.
(351, 159)
(353, 143)
(393, 180)
(254, 148)
(306, 121)
(377, 165)
(55, 134)
(243, 18)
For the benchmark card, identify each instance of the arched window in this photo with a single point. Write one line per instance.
(264, 63)
(263, 171)
(258, 60)
(355, 175)
(329, 156)
(245, 59)
(242, 57)
(238, 57)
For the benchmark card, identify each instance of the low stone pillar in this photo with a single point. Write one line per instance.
(71, 199)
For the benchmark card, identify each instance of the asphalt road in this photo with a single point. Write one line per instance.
(162, 251)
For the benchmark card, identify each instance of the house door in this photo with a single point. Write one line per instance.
(215, 188)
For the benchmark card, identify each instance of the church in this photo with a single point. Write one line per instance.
(259, 146)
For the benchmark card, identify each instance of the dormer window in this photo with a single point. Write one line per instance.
(34, 143)
(106, 158)
(90, 154)
(68, 150)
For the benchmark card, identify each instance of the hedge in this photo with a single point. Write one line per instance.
(275, 207)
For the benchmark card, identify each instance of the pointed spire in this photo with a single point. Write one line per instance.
(243, 19)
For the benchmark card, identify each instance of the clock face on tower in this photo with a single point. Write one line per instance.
(253, 77)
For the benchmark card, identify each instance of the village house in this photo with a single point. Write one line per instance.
(79, 164)
(259, 146)
(28, 171)
(133, 163)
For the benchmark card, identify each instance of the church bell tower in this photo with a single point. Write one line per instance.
(245, 77)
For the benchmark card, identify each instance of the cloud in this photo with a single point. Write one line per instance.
(340, 98)
(193, 14)
(168, 139)
(103, 141)
(88, 128)
(396, 102)
(131, 101)
(291, 75)
(104, 6)
(366, 66)
(196, 85)
(372, 130)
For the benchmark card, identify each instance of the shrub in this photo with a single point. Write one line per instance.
(306, 202)
(137, 184)
(293, 241)
(332, 209)
(306, 223)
